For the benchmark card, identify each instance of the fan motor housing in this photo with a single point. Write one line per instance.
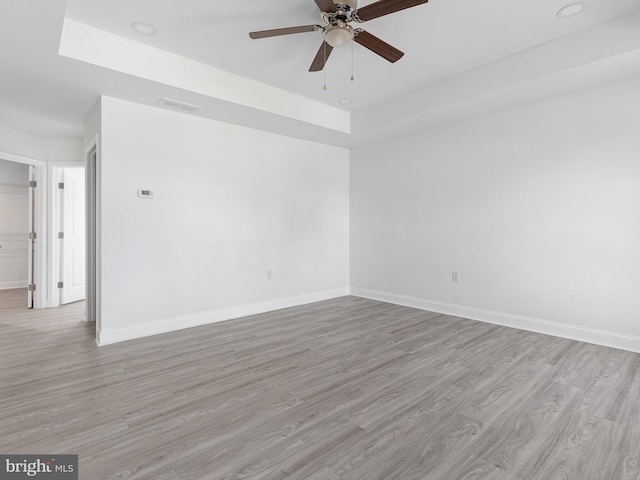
(346, 4)
(344, 8)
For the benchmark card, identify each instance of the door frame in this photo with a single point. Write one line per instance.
(93, 209)
(41, 214)
(55, 216)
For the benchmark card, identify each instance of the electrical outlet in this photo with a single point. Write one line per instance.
(455, 277)
(269, 274)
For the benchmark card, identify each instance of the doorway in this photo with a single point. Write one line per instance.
(39, 241)
(73, 232)
(19, 243)
(17, 239)
(71, 235)
(16, 225)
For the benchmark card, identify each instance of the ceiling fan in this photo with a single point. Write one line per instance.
(338, 14)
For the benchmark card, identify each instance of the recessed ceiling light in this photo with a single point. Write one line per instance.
(571, 10)
(345, 101)
(144, 28)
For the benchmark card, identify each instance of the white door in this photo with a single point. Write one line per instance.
(73, 242)
(31, 293)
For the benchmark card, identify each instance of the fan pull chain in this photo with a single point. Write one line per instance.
(352, 77)
(324, 69)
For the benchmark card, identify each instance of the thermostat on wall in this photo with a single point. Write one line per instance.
(145, 193)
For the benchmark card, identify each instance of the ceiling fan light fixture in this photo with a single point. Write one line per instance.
(336, 16)
(338, 35)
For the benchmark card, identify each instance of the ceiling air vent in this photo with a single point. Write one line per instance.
(177, 105)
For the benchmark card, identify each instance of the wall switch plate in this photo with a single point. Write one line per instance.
(145, 193)
(269, 274)
(455, 277)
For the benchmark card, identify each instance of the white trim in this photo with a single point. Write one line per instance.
(13, 285)
(12, 157)
(106, 337)
(557, 329)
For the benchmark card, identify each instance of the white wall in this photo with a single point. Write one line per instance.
(230, 203)
(14, 224)
(92, 126)
(537, 207)
(21, 143)
(64, 150)
(39, 148)
(14, 173)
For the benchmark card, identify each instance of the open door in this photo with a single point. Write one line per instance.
(31, 268)
(72, 288)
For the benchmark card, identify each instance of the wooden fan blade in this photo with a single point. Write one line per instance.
(321, 57)
(384, 7)
(326, 6)
(379, 47)
(284, 31)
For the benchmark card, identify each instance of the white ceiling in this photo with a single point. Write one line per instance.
(440, 39)
(462, 58)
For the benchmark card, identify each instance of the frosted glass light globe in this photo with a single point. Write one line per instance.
(338, 35)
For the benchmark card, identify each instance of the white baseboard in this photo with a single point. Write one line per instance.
(106, 337)
(12, 285)
(573, 332)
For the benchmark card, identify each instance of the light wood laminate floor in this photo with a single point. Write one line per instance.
(342, 389)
